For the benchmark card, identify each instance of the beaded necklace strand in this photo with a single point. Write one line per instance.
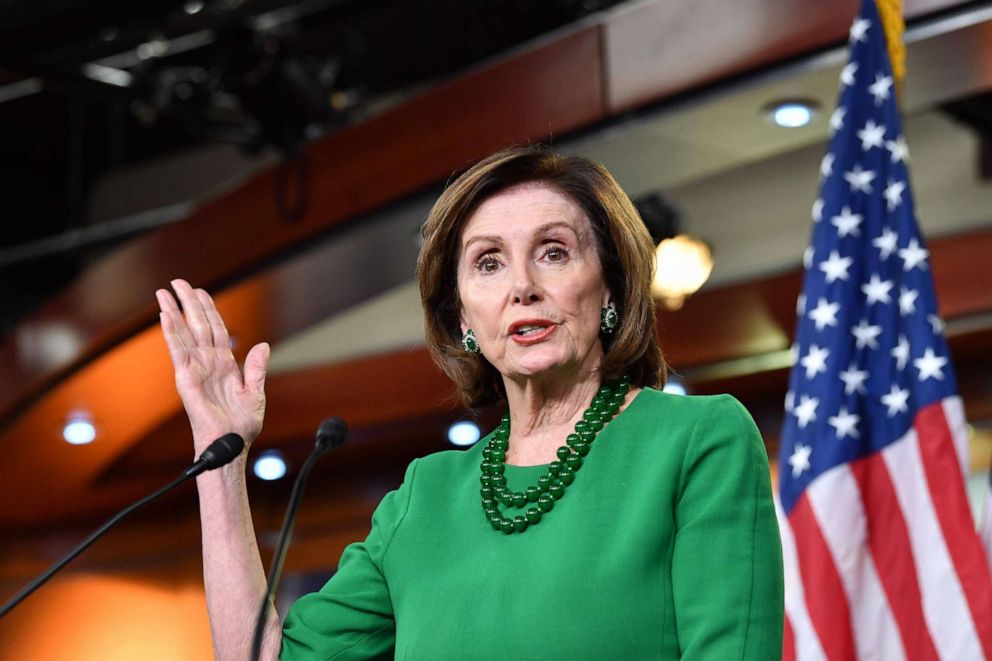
(551, 486)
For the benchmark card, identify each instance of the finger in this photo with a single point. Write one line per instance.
(256, 365)
(172, 315)
(196, 320)
(173, 342)
(165, 300)
(222, 340)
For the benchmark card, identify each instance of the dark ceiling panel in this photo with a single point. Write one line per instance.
(543, 92)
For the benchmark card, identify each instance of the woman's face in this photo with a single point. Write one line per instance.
(531, 284)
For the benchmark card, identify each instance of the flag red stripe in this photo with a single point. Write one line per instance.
(788, 642)
(947, 489)
(888, 539)
(825, 598)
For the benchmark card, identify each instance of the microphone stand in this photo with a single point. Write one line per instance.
(220, 452)
(330, 434)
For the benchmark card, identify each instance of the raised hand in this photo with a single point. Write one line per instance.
(217, 397)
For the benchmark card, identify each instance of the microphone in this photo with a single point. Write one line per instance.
(330, 434)
(219, 453)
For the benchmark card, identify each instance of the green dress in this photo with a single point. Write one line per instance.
(665, 547)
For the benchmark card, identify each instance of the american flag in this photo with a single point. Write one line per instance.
(882, 558)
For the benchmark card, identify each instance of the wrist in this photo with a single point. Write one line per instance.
(203, 438)
(227, 477)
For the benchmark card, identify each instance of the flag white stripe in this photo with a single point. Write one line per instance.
(944, 605)
(958, 424)
(808, 646)
(835, 500)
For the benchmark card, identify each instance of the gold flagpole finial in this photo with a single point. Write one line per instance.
(890, 12)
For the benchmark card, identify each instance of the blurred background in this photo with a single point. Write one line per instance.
(283, 154)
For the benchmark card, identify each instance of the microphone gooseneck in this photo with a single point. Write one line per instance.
(220, 452)
(330, 434)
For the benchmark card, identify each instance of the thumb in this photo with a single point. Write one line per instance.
(256, 365)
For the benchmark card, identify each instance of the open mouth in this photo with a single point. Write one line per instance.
(529, 331)
(525, 331)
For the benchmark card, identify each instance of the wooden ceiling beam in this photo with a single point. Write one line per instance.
(130, 394)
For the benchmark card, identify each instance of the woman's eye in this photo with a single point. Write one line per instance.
(487, 264)
(555, 254)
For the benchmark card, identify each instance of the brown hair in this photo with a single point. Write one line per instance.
(625, 249)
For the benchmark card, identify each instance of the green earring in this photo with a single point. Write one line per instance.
(469, 343)
(608, 318)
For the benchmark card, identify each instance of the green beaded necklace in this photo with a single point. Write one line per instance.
(550, 486)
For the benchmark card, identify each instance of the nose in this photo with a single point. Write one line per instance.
(525, 289)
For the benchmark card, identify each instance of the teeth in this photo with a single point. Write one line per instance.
(529, 330)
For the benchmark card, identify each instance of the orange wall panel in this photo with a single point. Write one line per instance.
(94, 617)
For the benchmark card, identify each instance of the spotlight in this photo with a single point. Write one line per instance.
(193, 7)
(270, 465)
(463, 433)
(791, 114)
(674, 386)
(79, 430)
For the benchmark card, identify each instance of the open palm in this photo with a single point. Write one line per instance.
(217, 397)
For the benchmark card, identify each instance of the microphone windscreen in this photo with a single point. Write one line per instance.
(330, 434)
(222, 451)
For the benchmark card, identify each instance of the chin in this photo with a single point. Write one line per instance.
(544, 362)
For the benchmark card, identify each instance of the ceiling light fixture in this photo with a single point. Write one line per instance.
(463, 433)
(109, 75)
(791, 114)
(79, 430)
(269, 466)
(193, 7)
(683, 264)
(156, 47)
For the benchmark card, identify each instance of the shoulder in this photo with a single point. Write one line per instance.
(440, 469)
(691, 409)
(699, 424)
(448, 460)
(425, 478)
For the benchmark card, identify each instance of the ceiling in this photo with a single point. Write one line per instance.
(333, 290)
(741, 183)
(99, 98)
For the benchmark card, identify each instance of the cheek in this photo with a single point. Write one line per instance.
(478, 309)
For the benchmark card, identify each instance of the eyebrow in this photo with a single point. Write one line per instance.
(540, 230)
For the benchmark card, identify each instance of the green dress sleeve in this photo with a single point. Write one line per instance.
(727, 562)
(351, 617)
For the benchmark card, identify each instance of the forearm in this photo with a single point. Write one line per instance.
(234, 578)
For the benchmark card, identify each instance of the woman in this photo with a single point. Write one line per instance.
(602, 519)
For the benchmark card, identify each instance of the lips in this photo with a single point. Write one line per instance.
(530, 331)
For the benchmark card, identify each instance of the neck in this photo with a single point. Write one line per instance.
(543, 411)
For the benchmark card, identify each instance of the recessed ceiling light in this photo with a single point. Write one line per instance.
(270, 465)
(78, 431)
(463, 433)
(792, 114)
(674, 386)
(193, 7)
